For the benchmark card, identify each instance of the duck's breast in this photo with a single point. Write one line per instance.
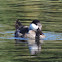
(31, 34)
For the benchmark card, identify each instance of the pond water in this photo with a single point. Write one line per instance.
(49, 12)
(10, 51)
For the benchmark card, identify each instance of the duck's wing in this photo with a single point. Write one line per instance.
(24, 29)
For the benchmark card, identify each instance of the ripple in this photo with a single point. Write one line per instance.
(53, 36)
(49, 36)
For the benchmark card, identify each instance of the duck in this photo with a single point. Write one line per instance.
(33, 32)
(28, 31)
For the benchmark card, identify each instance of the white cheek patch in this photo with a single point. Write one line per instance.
(33, 27)
(40, 26)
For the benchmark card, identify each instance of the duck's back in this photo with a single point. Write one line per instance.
(24, 29)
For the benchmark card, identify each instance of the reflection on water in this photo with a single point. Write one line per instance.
(34, 49)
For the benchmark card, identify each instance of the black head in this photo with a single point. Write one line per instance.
(35, 21)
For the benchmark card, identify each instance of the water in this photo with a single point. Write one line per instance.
(10, 50)
(49, 13)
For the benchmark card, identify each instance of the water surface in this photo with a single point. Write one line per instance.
(49, 13)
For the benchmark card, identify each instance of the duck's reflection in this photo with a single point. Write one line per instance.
(32, 45)
(34, 48)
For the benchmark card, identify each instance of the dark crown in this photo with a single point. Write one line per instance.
(35, 21)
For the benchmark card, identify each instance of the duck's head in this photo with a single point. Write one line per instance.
(36, 25)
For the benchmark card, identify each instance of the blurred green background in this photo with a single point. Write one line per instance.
(49, 12)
